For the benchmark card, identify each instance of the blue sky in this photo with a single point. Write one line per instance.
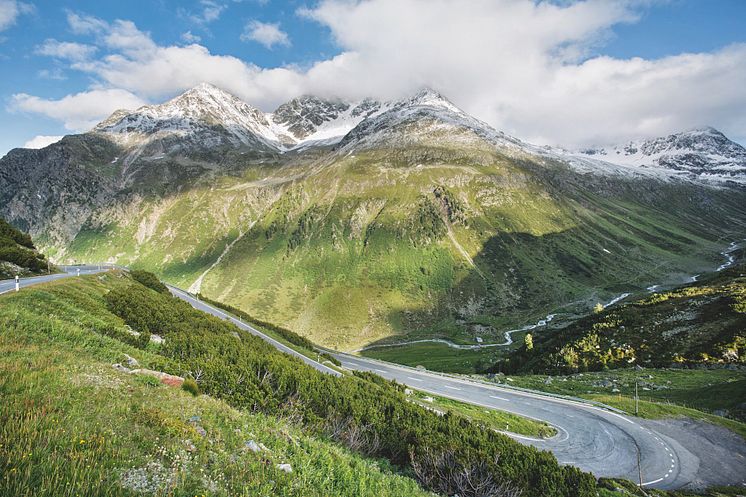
(612, 70)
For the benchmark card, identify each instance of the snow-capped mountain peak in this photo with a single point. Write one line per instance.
(427, 97)
(700, 153)
(204, 116)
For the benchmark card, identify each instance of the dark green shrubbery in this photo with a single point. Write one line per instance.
(149, 280)
(23, 257)
(648, 332)
(328, 357)
(289, 336)
(17, 248)
(364, 412)
(8, 232)
(190, 386)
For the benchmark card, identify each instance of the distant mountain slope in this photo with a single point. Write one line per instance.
(702, 323)
(703, 153)
(355, 223)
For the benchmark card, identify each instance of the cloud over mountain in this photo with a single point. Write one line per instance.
(525, 67)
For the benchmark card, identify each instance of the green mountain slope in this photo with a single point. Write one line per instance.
(421, 223)
(70, 425)
(699, 324)
(357, 250)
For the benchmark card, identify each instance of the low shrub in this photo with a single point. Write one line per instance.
(190, 386)
(149, 280)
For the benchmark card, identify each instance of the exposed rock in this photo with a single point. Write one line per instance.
(285, 467)
(131, 361)
(252, 446)
(121, 368)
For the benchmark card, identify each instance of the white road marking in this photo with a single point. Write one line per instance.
(452, 388)
(651, 482)
(379, 370)
(499, 398)
(414, 379)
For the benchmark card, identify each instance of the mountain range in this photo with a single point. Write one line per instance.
(357, 222)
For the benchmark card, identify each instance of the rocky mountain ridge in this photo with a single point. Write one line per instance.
(206, 117)
(701, 153)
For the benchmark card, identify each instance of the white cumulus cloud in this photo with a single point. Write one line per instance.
(65, 50)
(78, 112)
(10, 10)
(41, 141)
(268, 34)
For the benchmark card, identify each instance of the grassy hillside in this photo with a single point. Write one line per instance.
(425, 241)
(18, 255)
(73, 426)
(699, 324)
(106, 431)
(689, 342)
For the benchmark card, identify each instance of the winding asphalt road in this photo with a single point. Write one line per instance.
(595, 439)
(9, 285)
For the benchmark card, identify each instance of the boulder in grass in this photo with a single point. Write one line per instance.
(120, 368)
(285, 467)
(131, 361)
(253, 446)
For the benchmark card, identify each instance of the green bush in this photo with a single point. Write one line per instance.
(328, 357)
(149, 280)
(289, 336)
(8, 232)
(190, 386)
(17, 248)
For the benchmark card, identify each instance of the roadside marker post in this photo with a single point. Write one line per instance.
(18, 283)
